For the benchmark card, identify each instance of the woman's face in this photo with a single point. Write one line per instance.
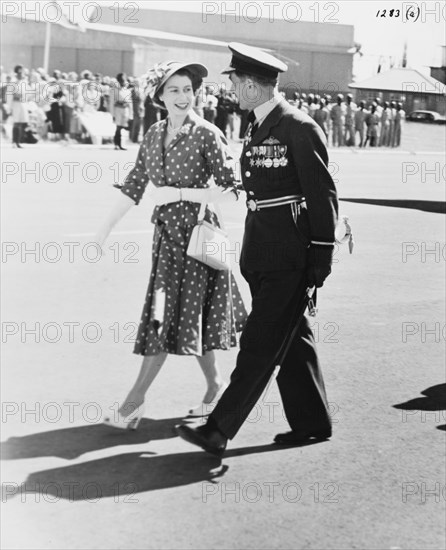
(177, 95)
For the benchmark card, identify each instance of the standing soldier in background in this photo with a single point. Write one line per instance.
(399, 120)
(360, 116)
(378, 111)
(372, 121)
(349, 133)
(384, 133)
(337, 116)
(322, 116)
(312, 105)
(392, 115)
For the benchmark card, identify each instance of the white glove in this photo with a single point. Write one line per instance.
(215, 194)
(164, 195)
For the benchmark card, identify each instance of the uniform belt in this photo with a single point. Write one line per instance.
(256, 204)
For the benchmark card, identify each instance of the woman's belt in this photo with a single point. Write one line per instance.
(257, 204)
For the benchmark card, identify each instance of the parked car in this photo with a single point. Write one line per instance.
(426, 116)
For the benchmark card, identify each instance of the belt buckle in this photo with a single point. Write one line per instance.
(252, 205)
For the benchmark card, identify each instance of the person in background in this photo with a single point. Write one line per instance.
(151, 113)
(210, 106)
(400, 117)
(322, 116)
(337, 115)
(360, 127)
(198, 104)
(137, 110)
(372, 122)
(56, 115)
(384, 132)
(349, 129)
(17, 105)
(121, 106)
(392, 115)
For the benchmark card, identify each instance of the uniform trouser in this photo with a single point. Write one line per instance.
(337, 134)
(361, 133)
(275, 296)
(117, 136)
(397, 136)
(384, 136)
(18, 130)
(349, 135)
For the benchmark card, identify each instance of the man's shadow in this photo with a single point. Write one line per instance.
(73, 442)
(123, 476)
(434, 400)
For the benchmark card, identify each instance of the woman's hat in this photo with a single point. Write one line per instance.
(161, 72)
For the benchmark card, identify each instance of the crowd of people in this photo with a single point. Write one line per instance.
(39, 106)
(377, 124)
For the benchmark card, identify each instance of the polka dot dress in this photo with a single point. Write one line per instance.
(190, 308)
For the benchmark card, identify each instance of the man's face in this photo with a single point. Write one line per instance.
(243, 89)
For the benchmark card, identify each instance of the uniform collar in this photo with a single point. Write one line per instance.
(263, 110)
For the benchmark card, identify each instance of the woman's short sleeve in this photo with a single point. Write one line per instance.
(137, 179)
(219, 159)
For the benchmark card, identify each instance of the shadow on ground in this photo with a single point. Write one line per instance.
(73, 442)
(437, 207)
(119, 476)
(434, 400)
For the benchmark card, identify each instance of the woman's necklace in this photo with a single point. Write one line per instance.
(172, 131)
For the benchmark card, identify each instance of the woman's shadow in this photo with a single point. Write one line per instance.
(73, 442)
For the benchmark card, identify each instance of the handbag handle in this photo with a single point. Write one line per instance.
(217, 211)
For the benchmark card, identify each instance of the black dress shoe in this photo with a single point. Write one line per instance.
(210, 440)
(296, 437)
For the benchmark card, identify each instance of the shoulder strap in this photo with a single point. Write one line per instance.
(202, 212)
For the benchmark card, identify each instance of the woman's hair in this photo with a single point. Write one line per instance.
(195, 79)
(17, 68)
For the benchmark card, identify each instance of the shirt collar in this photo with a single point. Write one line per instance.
(263, 110)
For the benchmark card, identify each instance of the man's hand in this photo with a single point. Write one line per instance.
(320, 259)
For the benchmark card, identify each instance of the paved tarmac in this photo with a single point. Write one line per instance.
(70, 482)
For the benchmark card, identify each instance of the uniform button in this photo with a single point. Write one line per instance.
(247, 173)
(248, 153)
(250, 192)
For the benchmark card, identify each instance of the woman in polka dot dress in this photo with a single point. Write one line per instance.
(190, 308)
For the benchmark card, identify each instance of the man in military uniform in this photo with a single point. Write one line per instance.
(287, 247)
(337, 115)
(349, 129)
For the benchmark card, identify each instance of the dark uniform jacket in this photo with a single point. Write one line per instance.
(287, 155)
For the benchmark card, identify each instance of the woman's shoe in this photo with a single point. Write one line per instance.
(205, 409)
(129, 422)
(119, 147)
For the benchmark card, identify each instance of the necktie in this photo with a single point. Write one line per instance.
(254, 123)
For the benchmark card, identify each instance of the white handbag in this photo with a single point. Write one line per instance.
(209, 244)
